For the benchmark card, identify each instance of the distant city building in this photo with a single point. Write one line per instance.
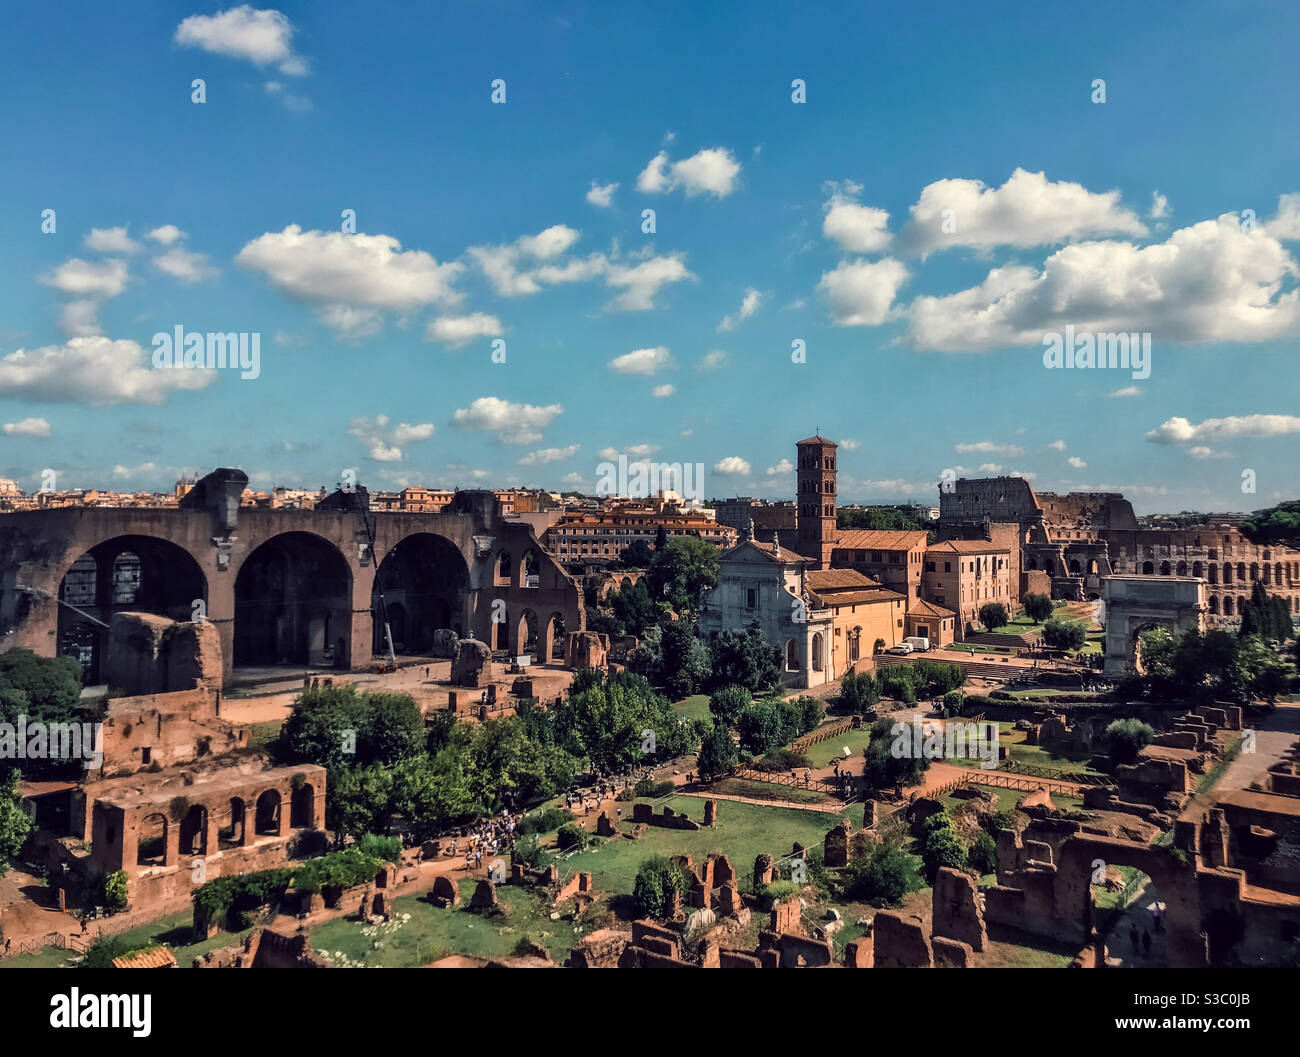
(586, 537)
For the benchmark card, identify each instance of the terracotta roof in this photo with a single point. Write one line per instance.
(838, 579)
(880, 539)
(970, 547)
(857, 598)
(158, 958)
(922, 608)
(817, 439)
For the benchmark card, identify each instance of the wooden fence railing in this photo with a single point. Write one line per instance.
(793, 781)
(821, 734)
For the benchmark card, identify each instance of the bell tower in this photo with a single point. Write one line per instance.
(815, 476)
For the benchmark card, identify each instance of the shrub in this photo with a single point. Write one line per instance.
(656, 881)
(717, 753)
(779, 891)
(943, 847)
(884, 876)
(1064, 634)
(571, 836)
(114, 890)
(983, 853)
(528, 851)
(1125, 738)
(544, 821)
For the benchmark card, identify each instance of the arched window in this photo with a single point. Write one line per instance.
(792, 656)
(1147, 568)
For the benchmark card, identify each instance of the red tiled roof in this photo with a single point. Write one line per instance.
(920, 607)
(838, 580)
(158, 958)
(880, 539)
(970, 547)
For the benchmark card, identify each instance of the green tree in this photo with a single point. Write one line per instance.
(744, 658)
(718, 754)
(633, 607)
(14, 823)
(993, 615)
(726, 703)
(686, 664)
(682, 571)
(1037, 607)
(1279, 524)
(884, 765)
(1064, 634)
(943, 847)
(661, 539)
(983, 855)
(637, 555)
(858, 692)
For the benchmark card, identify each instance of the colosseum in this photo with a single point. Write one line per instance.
(1077, 538)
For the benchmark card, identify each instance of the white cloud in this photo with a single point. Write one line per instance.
(145, 469)
(521, 267)
(602, 195)
(713, 171)
(784, 466)
(97, 279)
(632, 451)
(110, 240)
(856, 228)
(1027, 210)
(455, 331)
(333, 270)
(166, 235)
(850, 445)
(731, 466)
(1202, 452)
(749, 304)
(352, 323)
(95, 371)
(28, 427)
(1285, 226)
(1027, 476)
(548, 455)
(513, 423)
(642, 361)
(1159, 206)
(713, 360)
(988, 447)
(990, 467)
(861, 292)
(661, 391)
(260, 37)
(641, 283)
(1208, 282)
(1076, 462)
(184, 265)
(384, 443)
(1179, 430)
(1056, 445)
(1126, 391)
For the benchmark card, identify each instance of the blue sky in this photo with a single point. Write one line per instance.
(776, 222)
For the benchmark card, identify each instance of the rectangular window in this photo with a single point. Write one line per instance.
(751, 598)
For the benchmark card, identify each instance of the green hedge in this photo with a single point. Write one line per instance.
(226, 900)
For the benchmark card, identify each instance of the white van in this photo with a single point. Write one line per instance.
(918, 644)
(902, 647)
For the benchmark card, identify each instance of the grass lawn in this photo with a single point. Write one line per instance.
(821, 754)
(173, 932)
(694, 707)
(1050, 691)
(742, 832)
(1042, 755)
(431, 932)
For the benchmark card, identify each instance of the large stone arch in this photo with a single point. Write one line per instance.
(1175, 879)
(293, 603)
(1135, 603)
(161, 578)
(424, 578)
